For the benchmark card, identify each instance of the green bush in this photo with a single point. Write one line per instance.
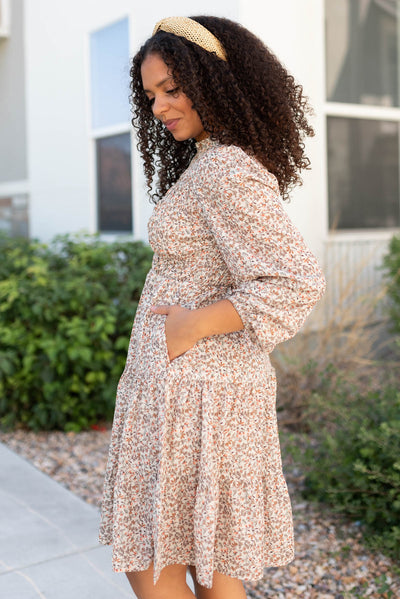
(354, 463)
(391, 264)
(352, 418)
(66, 312)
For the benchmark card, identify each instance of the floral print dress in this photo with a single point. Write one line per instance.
(194, 474)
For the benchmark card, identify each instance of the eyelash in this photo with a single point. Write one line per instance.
(169, 91)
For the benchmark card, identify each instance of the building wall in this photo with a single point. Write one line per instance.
(60, 147)
(60, 143)
(14, 185)
(295, 31)
(13, 162)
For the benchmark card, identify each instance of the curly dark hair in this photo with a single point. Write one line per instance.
(250, 101)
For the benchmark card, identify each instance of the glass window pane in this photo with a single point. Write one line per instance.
(363, 173)
(14, 217)
(362, 52)
(109, 61)
(114, 184)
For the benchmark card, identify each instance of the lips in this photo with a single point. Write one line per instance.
(171, 124)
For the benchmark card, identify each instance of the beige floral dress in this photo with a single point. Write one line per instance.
(194, 474)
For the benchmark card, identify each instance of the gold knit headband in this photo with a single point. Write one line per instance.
(192, 31)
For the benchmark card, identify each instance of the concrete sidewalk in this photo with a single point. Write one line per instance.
(48, 540)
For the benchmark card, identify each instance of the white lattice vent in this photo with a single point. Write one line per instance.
(353, 269)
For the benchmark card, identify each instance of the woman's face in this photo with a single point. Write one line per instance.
(168, 102)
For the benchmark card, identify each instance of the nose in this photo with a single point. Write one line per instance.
(160, 106)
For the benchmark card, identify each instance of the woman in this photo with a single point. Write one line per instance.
(194, 477)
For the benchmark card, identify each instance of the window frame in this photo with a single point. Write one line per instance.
(355, 111)
(95, 134)
(5, 19)
(104, 133)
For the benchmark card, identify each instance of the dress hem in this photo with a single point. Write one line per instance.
(233, 573)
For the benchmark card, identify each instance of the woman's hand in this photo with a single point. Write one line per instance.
(183, 327)
(180, 334)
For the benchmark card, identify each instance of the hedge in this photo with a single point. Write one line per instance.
(66, 312)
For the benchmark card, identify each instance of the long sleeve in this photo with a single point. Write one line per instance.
(276, 278)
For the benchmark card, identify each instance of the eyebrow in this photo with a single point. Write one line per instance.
(147, 91)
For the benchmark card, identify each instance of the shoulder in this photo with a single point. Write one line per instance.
(232, 182)
(230, 165)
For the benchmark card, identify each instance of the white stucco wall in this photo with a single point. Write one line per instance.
(61, 155)
(60, 147)
(13, 160)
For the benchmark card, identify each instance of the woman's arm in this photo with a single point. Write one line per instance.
(216, 319)
(276, 280)
(184, 327)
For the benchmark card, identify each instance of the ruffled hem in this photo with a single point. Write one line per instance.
(211, 488)
(235, 572)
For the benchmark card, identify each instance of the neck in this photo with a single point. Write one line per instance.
(203, 135)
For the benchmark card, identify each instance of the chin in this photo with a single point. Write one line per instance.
(180, 136)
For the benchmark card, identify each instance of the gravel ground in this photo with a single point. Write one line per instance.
(331, 561)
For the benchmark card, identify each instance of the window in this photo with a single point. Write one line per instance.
(114, 183)
(14, 217)
(362, 51)
(109, 51)
(4, 18)
(110, 119)
(363, 113)
(363, 173)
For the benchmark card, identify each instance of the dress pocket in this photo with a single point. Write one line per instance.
(163, 339)
(164, 345)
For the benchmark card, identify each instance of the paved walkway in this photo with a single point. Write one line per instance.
(48, 540)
